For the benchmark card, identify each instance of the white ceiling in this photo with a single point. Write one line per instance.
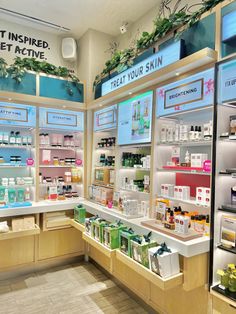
(80, 15)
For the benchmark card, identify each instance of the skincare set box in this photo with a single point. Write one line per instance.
(80, 214)
(228, 231)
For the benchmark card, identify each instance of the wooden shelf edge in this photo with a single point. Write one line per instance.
(187, 64)
(77, 225)
(57, 224)
(163, 284)
(97, 245)
(19, 234)
(223, 298)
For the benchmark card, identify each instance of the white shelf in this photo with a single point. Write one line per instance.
(104, 167)
(19, 186)
(105, 148)
(16, 167)
(52, 166)
(132, 191)
(138, 146)
(17, 146)
(55, 184)
(186, 144)
(192, 202)
(61, 148)
(134, 168)
(184, 172)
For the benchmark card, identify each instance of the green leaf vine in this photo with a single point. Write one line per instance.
(167, 20)
(18, 69)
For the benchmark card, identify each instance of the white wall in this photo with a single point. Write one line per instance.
(51, 54)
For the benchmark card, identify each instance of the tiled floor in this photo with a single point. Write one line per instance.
(80, 288)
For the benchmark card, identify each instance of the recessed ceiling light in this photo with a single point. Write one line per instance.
(100, 105)
(64, 106)
(177, 73)
(130, 93)
(9, 99)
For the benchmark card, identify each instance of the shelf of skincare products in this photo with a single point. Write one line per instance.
(58, 140)
(136, 161)
(60, 166)
(106, 143)
(61, 148)
(227, 285)
(16, 146)
(189, 201)
(224, 235)
(134, 185)
(184, 171)
(187, 144)
(14, 139)
(100, 247)
(134, 191)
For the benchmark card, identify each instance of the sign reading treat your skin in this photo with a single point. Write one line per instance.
(227, 81)
(159, 60)
(61, 119)
(18, 115)
(193, 92)
(105, 118)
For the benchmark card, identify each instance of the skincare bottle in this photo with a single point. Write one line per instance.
(27, 194)
(1, 138)
(196, 133)
(21, 195)
(199, 133)
(6, 196)
(24, 140)
(40, 178)
(18, 138)
(233, 195)
(176, 139)
(5, 138)
(187, 159)
(163, 134)
(11, 195)
(12, 138)
(207, 226)
(29, 140)
(191, 133)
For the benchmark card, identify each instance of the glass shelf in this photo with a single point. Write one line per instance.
(226, 293)
(134, 168)
(192, 202)
(184, 171)
(230, 250)
(132, 191)
(61, 148)
(186, 144)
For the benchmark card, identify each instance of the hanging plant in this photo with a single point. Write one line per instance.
(167, 21)
(18, 69)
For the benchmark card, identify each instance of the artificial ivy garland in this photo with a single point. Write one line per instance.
(123, 59)
(18, 69)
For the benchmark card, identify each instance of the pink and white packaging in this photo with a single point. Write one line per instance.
(203, 196)
(176, 192)
(184, 192)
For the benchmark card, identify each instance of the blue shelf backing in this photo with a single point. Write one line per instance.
(56, 88)
(27, 85)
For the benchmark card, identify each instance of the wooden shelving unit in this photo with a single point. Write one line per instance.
(163, 284)
(99, 246)
(19, 234)
(77, 225)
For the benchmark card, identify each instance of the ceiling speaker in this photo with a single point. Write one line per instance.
(69, 49)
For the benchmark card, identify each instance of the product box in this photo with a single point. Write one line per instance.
(144, 208)
(184, 192)
(116, 199)
(228, 231)
(232, 128)
(125, 237)
(79, 214)
(175, 155)
(140, 251)
(111, 235)
(176, 191)
(88, 224)
(164, 265)
(161, 207)
(97, 227)
(29, 222)
(17, 224)
(203, 196)
(197, 160)
(163, 134)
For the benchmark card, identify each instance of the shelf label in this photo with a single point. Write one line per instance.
(18, 115)
(227, 81)
(184, 94)
(190, 93)
(157, 61)
(61, 119)
(105, 118)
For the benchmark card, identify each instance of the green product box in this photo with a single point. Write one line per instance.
(88, 224)
(111, 236)
(79, 214)
(139, 251)
(97, 229)
(125, 238)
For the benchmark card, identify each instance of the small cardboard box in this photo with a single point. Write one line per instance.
(88, 225)
(140, 251)
(111, 236)
(17, 224)
(165, 265)
(125, 238)
(29, 222)
(79, 214)
(97, 227)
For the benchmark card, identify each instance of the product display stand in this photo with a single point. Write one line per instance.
(224, 206)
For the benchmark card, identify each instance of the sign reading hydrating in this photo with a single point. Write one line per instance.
(154, 63)
(190, 93)
(61, 119)
(16, 114)
(227, 82)
(105, 118)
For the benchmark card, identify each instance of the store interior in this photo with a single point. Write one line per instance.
(117, 157)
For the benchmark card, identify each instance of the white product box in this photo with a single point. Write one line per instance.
(183, 133)
(176, 191)
(198, 159)
(163, 189)
(170, 133)
(184, 192)
(207, 198)
(144, 208)
(165, 265)
(203, 196)
(163, 134)
(176, 139)
(228, 231)
(148, 162)
(161, 211)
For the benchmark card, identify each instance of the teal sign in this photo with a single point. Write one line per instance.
(157, 61)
